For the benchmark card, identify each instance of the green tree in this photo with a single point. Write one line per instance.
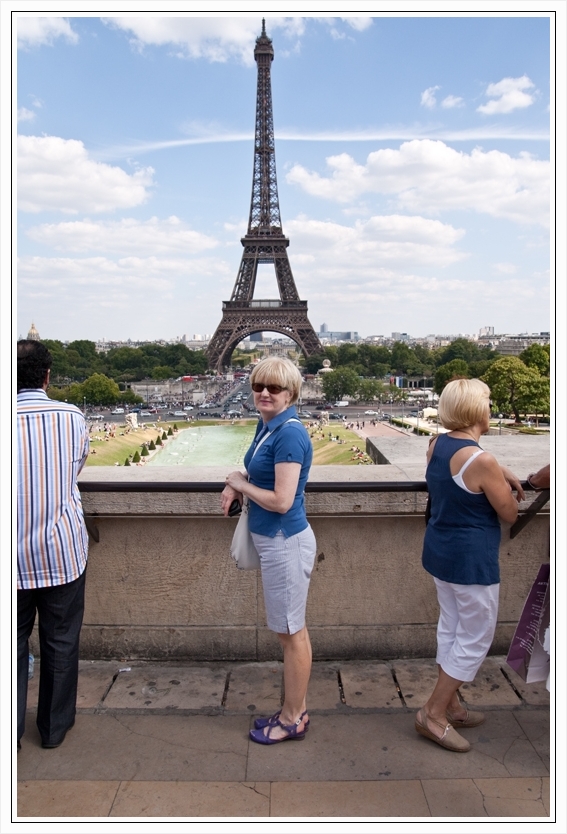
(128, 397)
(100, 390)
(540, 397)
(311, 364)
(60, 366)
(479, 367)
(348, 354)
(443, 374)
(369, 389)
(162, 372)
(513, 386)
(402, 358)
(343, 382)
(69, 393)
(85, 349)
(537, 357)
(460, 349)
(136, 458)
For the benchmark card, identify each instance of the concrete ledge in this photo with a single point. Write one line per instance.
(161, 585)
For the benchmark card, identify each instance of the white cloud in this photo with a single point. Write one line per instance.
(506, 268)
(358, 23)
(452, 101)
(399, 272)
(126, 236)
(392, 242)
(25, 115)
(58, 174)
(138, 297)
(428, 97)
(37, 31)
(428, 176)
(212, 38)
(122, 274)
(508, 95)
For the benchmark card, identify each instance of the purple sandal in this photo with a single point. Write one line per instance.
(293, 734)
(260, 723)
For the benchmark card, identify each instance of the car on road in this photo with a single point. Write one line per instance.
(305, 414)
(371, 412)
(178, 413)
(187, 408)
(95, 417)
(145, 414)
(117, 411)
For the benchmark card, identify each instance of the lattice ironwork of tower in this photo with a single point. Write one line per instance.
(264, 243)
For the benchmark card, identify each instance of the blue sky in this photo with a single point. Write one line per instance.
(412, 155)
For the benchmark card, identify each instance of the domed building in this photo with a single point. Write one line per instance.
(33, 334)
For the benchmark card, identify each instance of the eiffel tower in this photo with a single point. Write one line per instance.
(264, 243)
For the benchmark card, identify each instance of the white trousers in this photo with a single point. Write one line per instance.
(467, 622)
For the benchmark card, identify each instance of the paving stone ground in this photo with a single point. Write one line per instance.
(172, 741)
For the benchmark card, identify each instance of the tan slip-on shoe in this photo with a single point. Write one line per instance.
(472, 719)
(450, 739)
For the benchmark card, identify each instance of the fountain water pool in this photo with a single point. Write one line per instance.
(206, 446)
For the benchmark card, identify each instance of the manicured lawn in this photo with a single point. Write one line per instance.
(116, 449)
(330, 452)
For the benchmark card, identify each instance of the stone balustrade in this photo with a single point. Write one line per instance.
(161, 585)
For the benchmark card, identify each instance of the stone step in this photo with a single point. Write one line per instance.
(257, 688)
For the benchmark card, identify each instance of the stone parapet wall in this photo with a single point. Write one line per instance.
(160, 583)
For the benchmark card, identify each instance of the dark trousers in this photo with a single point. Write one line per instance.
(60, 613)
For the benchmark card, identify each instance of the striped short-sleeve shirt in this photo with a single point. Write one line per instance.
(53, 444)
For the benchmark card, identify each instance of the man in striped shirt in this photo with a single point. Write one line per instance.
(53, 444)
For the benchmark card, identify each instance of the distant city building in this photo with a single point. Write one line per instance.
(509, 344)
(33, 334)
(324, 328)
(513, 345)
(338, 336)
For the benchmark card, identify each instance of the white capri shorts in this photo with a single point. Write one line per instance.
(467, 622)
(286, 566)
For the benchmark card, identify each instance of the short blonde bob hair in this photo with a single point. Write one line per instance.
(275, 370)
(463, 403)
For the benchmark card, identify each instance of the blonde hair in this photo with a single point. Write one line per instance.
(275, 370)
(463, 403)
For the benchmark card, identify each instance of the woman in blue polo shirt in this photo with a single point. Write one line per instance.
(277, 467)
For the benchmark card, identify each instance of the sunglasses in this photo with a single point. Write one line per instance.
(258, 387)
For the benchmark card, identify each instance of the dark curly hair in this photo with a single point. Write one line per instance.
(34, 361)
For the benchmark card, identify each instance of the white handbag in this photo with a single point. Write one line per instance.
(242, 548)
